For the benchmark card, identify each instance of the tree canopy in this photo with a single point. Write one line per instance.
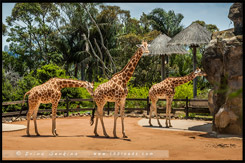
(88, 41)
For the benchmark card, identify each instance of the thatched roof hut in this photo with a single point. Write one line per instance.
(159, 47)
(193, 35)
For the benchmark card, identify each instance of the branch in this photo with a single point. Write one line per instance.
(101, 37)
(101, 56)
(91, 46)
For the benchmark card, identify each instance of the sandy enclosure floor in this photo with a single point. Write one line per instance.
(76, 141)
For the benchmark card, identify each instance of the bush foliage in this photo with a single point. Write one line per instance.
(10, 93)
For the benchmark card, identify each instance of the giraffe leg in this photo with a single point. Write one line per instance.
(35, 119)
(122, 107)
(151, 108)
(115, 118)
(28, 117)
(167, 108)
(155, 108)
(169, 111)
(96, 123)
(100, 115)
(102, 123)
(54, 110)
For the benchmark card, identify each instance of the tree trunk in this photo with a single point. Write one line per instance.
(76, 70)
(167, 70)
(194, 68)
(163, 67)
(82, 71)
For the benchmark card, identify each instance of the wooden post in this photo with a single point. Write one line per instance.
(163, 67)
(186, 109)
(108, 108)
(148, 105)
(67, 106)
(194, 68)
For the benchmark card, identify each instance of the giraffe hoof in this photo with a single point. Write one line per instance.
(107, 136)
(170, 126)
(151, 125)
(167, 126)
(38, 134)
(55, 134)
(124, 136)
(160, 125)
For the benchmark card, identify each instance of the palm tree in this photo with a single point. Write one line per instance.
(166, 22)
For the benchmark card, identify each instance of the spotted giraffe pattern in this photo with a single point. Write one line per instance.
(50, 92)
(115, 90)
(166, 90)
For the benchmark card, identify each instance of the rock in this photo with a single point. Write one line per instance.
(223, 63)
(224, 117)
(211, 101)
(138, 111)
(236, 15)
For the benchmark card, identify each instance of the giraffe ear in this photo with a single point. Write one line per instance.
(138, 45)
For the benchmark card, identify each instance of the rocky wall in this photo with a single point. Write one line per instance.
(223, 63)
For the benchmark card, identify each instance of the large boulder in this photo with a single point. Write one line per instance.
(236, 15)
(211, 101)
(222, 61)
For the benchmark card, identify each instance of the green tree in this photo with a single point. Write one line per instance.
(211, 27)
(4, 29)
(166, 22)
(30, 40)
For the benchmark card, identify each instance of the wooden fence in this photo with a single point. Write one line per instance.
(191, 106)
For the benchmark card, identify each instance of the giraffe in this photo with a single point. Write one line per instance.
(165, 90)
(50, 92)
(115, 90)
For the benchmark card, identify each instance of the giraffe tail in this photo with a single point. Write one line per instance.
(27, 93)
(92, 117)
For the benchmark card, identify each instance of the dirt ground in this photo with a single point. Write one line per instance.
(76, 135)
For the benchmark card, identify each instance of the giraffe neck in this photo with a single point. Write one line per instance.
(181, 80)
(64, 83)
(128, 70)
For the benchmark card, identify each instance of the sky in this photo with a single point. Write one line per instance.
(210, 13)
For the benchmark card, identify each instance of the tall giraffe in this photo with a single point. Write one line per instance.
(115, 90)
(165, 90)
(50, 92)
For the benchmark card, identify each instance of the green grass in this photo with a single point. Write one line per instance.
(196, 115)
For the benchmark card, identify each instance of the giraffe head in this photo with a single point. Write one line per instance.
(199, 72)
(90, 86)
(144, 46)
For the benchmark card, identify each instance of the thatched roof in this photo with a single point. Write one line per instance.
(159, 47)
(194, 34)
